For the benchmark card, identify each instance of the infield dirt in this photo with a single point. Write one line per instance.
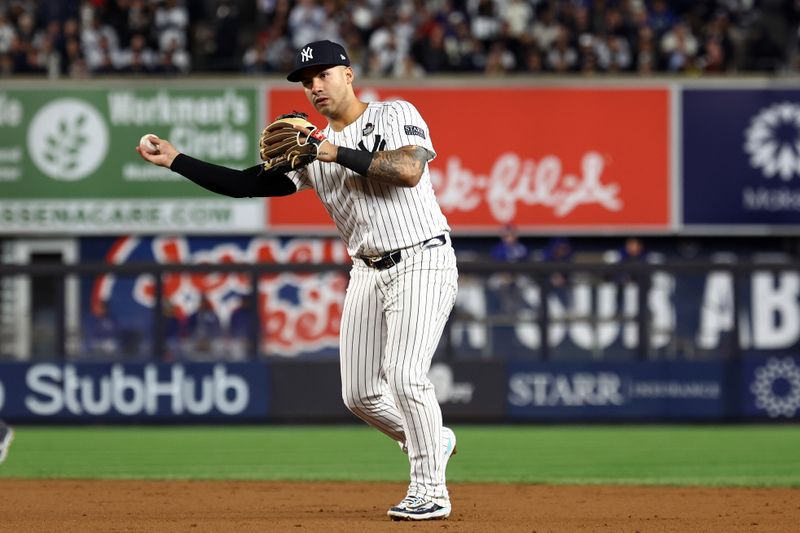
(202, 506)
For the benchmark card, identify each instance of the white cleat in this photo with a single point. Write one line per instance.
(448, 444)
(413, 508)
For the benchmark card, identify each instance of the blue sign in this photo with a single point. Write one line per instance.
(771, 387)
(741, 157)
(209, 316)
(623, 390)
(101, 391)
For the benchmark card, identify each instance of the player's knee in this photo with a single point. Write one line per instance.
(409, 386)
(353, 401)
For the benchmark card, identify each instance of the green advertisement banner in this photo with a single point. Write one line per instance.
(68, 159)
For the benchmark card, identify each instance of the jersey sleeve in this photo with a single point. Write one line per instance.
(300, 178)
(406, 127)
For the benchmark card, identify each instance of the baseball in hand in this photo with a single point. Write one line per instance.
(148, 146)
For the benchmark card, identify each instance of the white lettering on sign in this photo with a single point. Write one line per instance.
(177, 108)
(55, 389)
(774, 308)
(545, 389)
(514, 181)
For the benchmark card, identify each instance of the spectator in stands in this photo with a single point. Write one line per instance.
(533, 61)
(173, 60)
(517, 15)
(354, 45)
(138, 58)
(562, 56)
(546, 28)
(712, 59)
(559, 250)
(306, 20)
(333, 22)
(171, 24)
(364, 18)
(7, 33)
(679, 48)
(266, 54)
(508, 286)
(384, 50)
(485, 22)
(26, 28)
(226, 29)
(18, 56)
(613, 54)
(206, 333)
(510, 249)
(631, 252)
(646, 57)
(74, 63)
(102, 334)
(661, 18)
(587, 54)
(499, 60)
(579, 23)
(99, 42)
(101, 58)
(141, 17)
(430, 52)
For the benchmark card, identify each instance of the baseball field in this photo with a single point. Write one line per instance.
(343, 478)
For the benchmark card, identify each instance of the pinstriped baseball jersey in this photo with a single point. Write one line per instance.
(374, 218)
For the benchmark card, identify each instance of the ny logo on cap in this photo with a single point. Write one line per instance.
(306, 54)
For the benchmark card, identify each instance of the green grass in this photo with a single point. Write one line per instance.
(670, 455)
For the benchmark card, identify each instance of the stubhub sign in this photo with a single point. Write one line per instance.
(152, 391)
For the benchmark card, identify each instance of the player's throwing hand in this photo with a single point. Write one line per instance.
(165, 154)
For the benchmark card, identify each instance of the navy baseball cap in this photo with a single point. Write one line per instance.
(318, 53)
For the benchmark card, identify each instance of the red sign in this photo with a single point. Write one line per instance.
(566, 158)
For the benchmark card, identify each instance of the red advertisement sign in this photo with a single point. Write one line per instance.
(540, 158)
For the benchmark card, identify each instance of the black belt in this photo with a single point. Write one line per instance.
(390, 259)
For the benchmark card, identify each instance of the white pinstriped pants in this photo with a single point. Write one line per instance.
(391, 325)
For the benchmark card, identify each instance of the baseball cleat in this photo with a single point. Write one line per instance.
(6, 436)
(413, 508)
(448, 442)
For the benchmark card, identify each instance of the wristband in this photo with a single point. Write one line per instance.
(356, 160)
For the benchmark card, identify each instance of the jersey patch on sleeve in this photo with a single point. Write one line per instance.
(414, 130)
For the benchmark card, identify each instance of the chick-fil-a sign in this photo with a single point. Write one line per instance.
(539, 158)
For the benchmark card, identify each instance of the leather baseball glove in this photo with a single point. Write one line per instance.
(283, 147)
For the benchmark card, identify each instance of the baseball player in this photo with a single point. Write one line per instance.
(369, 168)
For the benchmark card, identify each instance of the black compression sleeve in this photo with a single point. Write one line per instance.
(250, 182)
(356, 160)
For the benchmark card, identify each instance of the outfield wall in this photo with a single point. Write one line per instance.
(555, 157)
(754, 389)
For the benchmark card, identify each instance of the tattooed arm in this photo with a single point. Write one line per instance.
(402, 167)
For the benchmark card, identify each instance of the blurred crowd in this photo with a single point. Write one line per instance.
(406, 38)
